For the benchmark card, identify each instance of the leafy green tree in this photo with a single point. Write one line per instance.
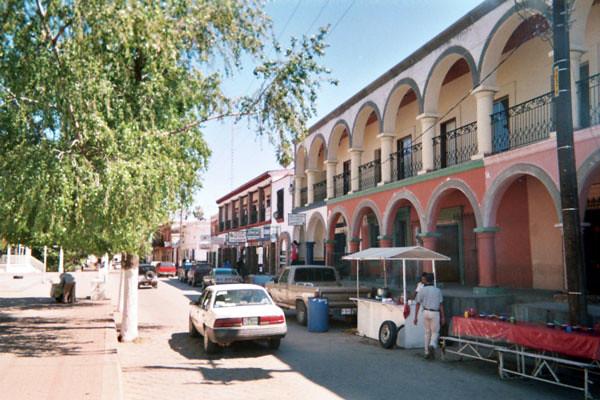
(102, 104)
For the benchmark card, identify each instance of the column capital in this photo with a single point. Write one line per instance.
(311, 171)
(384, 135)
(487, 229)
(355, 151)
(330, 162)
(576, 51)
(427, 115)
(482, 91)
(299, 176)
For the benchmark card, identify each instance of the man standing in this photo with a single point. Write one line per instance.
(430, 298)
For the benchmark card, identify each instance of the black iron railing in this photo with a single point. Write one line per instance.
(369, 174)
(593, 203)
(341, 184)
(253, 216)
(261, 214)
(221, 226)
(407, 162)
(303, 197)
(455, 147)
(588, 91)
(235, 223)
(523, 124)
(244, 219)
(227, 225)
(320, 191)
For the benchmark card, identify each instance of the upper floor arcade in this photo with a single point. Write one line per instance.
(480, 88)
(253, 203)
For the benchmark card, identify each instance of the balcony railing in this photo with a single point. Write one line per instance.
(320, 191)
(253, 216)
(455, 146)
(235, 223)
(588, 91)
(227, 225)
(303, 196)
(341, 184)
(244, 220)
(406, 163)
(221, 226)
(523, 124)
(369, 174)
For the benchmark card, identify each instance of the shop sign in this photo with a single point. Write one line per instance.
(254, 233)
(266, 232)
(236, 237)
(296, 219)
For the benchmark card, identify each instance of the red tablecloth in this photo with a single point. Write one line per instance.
(534, 336)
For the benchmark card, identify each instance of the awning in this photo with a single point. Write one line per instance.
(397, 253)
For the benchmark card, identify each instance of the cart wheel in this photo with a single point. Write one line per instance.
(387, 334)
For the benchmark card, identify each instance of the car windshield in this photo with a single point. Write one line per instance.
(241, 297)
(225, 271)
(145, 268)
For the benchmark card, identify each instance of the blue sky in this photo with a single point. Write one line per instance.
(372, 37)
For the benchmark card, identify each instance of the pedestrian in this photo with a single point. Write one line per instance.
(430, 298)
(421, 283)
(294, 255)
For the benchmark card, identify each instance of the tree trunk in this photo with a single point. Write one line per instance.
(129, 321)
(121, 287)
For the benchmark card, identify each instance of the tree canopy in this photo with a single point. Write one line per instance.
(102, 104)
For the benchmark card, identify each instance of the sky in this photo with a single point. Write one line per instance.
(368, 38)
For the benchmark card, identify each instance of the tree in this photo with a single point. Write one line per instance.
(101, 111)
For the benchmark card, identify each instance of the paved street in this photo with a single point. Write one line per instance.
(167, 364)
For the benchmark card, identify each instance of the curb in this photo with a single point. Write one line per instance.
(112, 383)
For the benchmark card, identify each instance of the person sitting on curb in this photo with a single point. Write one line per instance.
(65, 291)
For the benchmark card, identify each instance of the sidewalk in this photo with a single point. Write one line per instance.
(56, 351)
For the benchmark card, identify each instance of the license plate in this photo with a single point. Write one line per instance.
(347, 311)
(250, 321)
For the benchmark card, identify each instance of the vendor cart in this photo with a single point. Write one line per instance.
(384, 320)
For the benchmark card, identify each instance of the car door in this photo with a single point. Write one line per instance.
(203, 309)
(195, 310)
(276, 291)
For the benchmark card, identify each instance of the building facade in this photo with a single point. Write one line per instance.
(252, 223)
(454, 148)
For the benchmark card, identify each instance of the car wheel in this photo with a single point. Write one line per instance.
(139, 286)
(192, 329)
(209, 346)
(387, 334)
(274, 343)
(301, 313)
(155, 285)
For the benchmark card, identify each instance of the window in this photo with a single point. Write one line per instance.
(314, 275)
(245, 297)
(500, 129)
(445, 146)
(280, 209)
(206, 299)
(284, 276)
(377, 158)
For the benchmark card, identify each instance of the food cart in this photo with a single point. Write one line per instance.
(384, 320)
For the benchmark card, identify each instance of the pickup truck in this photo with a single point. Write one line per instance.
(296, 284)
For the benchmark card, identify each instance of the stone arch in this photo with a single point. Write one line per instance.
(584, 174)
(284, 242)
(300, 160)
(338, 130)
(497, 38)
(392, 204)
(579, 18)
(395, 98)
(494, 193)
(360, 122)
(313, 153)
(440, 190)
(438, 71)
(315, 219)
(333, 217)
(359, 212)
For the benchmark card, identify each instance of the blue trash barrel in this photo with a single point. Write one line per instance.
(318, 315)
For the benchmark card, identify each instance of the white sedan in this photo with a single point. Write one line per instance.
(231, 313)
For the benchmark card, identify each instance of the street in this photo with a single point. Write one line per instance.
(165, 363)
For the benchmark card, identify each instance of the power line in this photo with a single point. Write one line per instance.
(317, 17)
(289, 20)
(342, 17)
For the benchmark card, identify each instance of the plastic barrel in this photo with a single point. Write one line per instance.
(318, 315)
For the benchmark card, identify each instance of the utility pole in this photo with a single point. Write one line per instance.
(569, 197)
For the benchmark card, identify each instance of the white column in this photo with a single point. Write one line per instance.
(297, 187)
(387, 144)
(485, 106)
(428, 121)
(575, 64)
(330, 168)
(61, 261)
(311, 174)
(355, 157)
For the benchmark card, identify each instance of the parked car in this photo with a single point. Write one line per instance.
(296, 284)
(166, 268)
(197, 274)
(220, 276)
(147, 276)
(231, 313)
(183, 270)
